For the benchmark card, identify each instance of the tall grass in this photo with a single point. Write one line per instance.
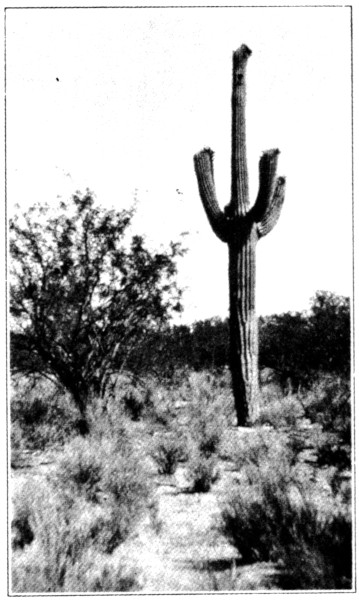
(288, 513)
(95, 499)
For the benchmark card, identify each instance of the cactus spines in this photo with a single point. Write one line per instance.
(241, 227)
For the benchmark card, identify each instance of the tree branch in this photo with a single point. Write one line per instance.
(203, 164)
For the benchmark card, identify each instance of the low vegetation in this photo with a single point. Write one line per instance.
(289, 503)
(77, 517)
(286, 511)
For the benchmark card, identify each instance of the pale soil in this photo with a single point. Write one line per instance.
(180, 549)
(188, 553)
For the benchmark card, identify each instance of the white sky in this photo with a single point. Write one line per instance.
(141, 90)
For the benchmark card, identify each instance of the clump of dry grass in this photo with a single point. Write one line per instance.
(202, 471)
(282, 511)
(94, 500)
(167, 450)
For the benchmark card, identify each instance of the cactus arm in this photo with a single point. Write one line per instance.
(239, 195)
(203, 164)
(267, 179)
(273, 211)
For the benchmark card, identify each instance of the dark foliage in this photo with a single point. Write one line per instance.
(300, 346)
(295, 346)
(41, 415)
(81, 298)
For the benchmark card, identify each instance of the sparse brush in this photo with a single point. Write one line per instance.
(41, 412)
(80, 467)
(134, 403)
(282, 412)
(57, 541)
(110, 423)
(95, 575)
(128, 491)
(206, 420)
(95, 501)
(21, 527)
(163, 411)
(261, 448)
(202, 472)
(91, 572)
(327, 405)
(167, 450)
(282, 512)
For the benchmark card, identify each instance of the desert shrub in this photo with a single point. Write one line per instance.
(16, 444)
(328, 405)
(319, 552)
(282, 511)
(41, 413)
(280, 412)
(163, 411)
(261, 449)
(128, 491)
(206, 418)
(21, 528)
(90, 576)
(80, 467)
(109, 424)
(90, 572)
(95, 500)
(134, 403)
(167, 450)
(57, 539)
(111, 475)
(202, 472)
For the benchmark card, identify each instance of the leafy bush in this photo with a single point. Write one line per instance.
(73, 265)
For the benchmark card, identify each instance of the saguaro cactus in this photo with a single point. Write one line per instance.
(241, 226)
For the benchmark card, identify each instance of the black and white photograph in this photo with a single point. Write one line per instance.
(179, 240)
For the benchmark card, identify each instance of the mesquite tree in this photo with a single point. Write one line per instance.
(241, 226)
(84, 295)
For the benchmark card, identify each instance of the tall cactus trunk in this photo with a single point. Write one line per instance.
(241, 227)
(243, 328)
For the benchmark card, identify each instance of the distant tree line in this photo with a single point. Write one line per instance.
(296, 346)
